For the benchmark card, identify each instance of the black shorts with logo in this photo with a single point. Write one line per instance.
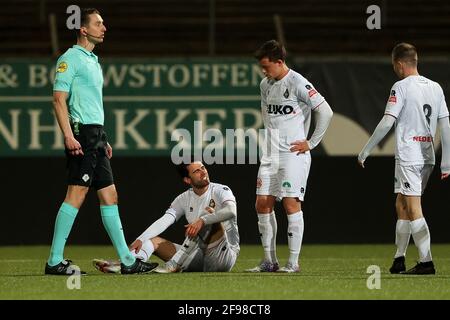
(92, 168)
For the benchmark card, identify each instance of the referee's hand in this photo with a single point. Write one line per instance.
(73, 146)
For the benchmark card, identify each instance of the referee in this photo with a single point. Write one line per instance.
(79, 79)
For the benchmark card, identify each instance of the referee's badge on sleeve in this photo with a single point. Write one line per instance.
(62, 67)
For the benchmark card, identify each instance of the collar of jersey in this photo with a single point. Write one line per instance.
(89, 53)
(203, 195)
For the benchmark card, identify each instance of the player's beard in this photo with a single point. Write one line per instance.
(201, 183)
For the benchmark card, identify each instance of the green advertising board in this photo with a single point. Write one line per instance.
(145, 101)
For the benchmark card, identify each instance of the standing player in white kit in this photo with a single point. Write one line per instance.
(417, 105)
(287, 99)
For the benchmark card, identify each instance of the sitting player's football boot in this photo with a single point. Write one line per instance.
(398, 265)
(106, 266)
(64, 268)
(169, 267)
(421, 268)
(265, 266)
(289, 268)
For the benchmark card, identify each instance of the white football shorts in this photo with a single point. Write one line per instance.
(217, 257)
(284, 178)
(412, 180)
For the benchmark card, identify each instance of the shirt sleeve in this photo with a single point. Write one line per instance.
(65, 73)
(395, 101)
(443, 110)
(177, 208)
(308, 94)
(224, 194)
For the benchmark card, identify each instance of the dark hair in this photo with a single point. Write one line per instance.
(183, 170)
(84, 18)
(405, 52)
(271, 49)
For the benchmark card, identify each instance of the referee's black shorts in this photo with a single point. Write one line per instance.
(92, 168)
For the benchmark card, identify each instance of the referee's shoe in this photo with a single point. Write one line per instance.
(138, 266)
(64, 268)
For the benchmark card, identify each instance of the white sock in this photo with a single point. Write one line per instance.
(295, 236)
(402, 234)
(146, 251)
(268, 238)
(188, 246)
(273, 243)
(422, 239)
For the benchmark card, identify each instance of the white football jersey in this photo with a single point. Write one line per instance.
(192, 206)
(286, 105)
(417, 103)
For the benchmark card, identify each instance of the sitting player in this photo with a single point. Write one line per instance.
(212, 237)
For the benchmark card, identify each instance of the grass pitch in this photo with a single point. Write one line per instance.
(327, 272)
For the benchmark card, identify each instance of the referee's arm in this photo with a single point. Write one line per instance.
(62, 116)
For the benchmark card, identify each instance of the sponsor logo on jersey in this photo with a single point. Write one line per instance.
(407, 185)
(286, 93)
(191, 209)
(392, 97)
(311, 90)
(286, 184)
(423, 139)
(279, 109)
(302, 190)
(225, 188)
(212, 203)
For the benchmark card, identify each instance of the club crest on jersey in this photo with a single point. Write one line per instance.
(279, 109)
(212, 203)
(286, 93)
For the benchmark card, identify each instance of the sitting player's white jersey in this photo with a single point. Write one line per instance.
(286, 105)
(417, 103)
(192, 206)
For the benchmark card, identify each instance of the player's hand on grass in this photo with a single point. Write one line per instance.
(108, 150)
(73, 146)
(300, 146)
(136, 246)
(193, 228)
(444, 176)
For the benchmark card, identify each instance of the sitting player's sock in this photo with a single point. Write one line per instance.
(402, 235)
(111, 221)
(295, 236)
(422, 239)
(268, 238)
(63, 225)
(146, 251)
(188, 246)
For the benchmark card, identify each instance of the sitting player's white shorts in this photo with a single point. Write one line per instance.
(286, 177)
(219, 256)
(412, 180)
